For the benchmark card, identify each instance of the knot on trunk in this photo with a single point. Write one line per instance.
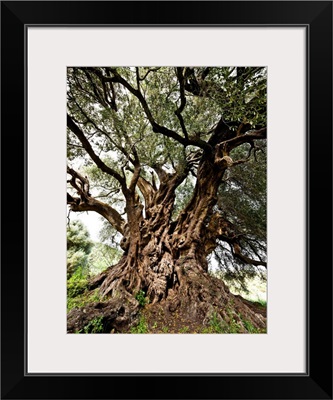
(125, 241)
(224, 162)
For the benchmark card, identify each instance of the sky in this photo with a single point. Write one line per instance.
(91, 220)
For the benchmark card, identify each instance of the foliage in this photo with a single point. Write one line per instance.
(215, 324)
(183, 195)
(109, 236)
(94, 326)
(77, 283)
(141, 298)
(251, 286)
(141, 327)
(249, 327)
(248, 215)
(78, 294)
(239, 101)
(78, 248)
(101, 257)
(248, 211)
(83, 299)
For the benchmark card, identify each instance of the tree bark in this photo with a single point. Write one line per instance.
(167, 260)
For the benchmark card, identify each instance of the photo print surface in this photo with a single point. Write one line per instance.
(167, 200)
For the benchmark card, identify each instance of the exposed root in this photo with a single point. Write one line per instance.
(121, 279)
(182, 289)
(115, 315)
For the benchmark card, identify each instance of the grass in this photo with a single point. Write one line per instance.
(83, 299)
(141, 327)
(94, 326)
(217, 325)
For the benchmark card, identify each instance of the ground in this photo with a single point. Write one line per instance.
(158, 319)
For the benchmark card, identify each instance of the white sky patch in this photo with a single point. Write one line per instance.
(91, 220)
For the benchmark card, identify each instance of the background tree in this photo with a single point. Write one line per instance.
(176, 160)
(101, 257)
(242, 200)
(78, 248)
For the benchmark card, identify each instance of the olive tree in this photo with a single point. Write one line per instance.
(175, 162)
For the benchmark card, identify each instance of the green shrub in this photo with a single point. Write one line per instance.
(78, 247)
(77, 283)
(87, 297)
(94, 326)
(141, 298)
(141, 327)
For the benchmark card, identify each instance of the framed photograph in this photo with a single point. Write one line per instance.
(212, 122)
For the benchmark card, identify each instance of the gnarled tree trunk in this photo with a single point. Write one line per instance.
(167, 259)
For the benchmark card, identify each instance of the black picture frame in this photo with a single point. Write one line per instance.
(316, 383)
